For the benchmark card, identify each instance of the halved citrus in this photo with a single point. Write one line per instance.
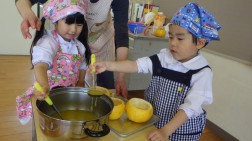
(99, 91)
(118, 108)
(138, 110)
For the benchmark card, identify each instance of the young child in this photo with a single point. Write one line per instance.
(59, 57)
(181, 78)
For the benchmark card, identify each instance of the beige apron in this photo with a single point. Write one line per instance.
(101, 30)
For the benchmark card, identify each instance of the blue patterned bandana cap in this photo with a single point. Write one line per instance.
(198, 21)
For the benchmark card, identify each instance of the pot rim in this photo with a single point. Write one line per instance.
(68, 121)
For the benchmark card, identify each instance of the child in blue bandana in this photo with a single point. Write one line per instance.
(181, 78)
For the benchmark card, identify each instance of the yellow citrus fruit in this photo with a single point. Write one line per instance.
(118, 109)
(138, 110)
(103, 90)
(95, 92)
(160, 32)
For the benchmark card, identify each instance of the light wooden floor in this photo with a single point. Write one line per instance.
(15, 78)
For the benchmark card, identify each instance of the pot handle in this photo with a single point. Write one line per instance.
(102, 133)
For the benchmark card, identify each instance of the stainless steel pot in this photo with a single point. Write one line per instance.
(71, 98)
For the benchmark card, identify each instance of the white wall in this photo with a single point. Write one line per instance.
(236, 31)
(232, 88)
(11, 39)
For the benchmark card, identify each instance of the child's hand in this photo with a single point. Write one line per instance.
(98, 66)
(43, 94)
(158, 135)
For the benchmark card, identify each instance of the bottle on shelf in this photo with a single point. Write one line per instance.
(158, 28)
(159, 20)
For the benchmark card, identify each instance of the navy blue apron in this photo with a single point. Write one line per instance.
(166, 92)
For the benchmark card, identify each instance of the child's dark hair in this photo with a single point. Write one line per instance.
(77, 18)
(195, 39)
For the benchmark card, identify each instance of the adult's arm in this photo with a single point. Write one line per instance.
(23, 6)
(81, 82)
(29, 17)
(120, 10)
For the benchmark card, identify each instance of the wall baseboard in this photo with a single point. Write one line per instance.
(220, 132)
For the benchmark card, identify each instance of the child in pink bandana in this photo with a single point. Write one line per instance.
(107, 36)
(59, 57)
(181, 78)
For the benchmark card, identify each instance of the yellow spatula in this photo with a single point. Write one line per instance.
(93, 60)
(94, 91)
(47, 99)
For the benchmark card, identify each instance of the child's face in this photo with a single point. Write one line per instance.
(181, 44)
(66, 31)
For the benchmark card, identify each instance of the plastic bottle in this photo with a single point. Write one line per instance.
(159, 20)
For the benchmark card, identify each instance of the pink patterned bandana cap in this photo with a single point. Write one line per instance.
(55, 10)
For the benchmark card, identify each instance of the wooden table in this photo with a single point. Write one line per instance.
(39, 136)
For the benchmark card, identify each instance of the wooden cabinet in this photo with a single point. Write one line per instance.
(141, 46)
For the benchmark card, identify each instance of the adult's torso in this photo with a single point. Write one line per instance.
(100, 28)
(98, 17)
